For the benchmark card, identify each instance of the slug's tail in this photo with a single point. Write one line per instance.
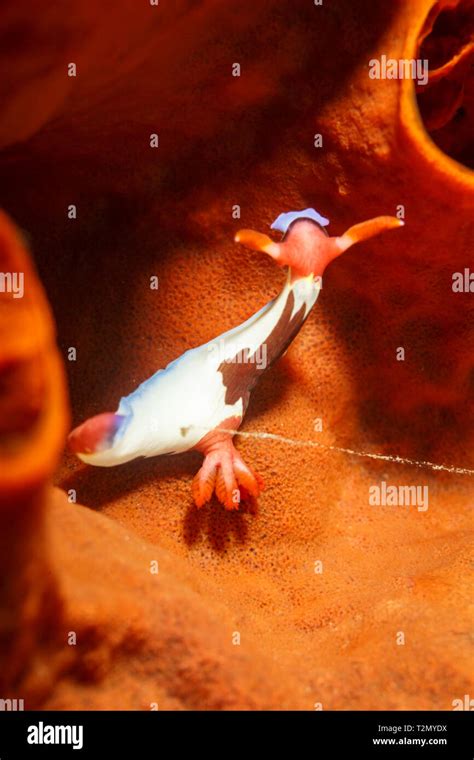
(95, 434)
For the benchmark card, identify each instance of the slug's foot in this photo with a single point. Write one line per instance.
(225, 472)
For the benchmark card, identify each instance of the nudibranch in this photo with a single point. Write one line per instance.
(199, 400)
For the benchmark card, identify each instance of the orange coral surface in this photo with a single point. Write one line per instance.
(301, 601)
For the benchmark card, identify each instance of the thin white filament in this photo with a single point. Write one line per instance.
(343, 450)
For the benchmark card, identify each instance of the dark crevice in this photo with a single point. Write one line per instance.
(446, 103)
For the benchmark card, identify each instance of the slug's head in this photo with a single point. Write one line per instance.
(306, 246)
(94, 440)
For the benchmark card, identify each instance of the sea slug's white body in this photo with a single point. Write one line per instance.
(172, 410)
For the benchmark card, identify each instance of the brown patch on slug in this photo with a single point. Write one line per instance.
(241, 373)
